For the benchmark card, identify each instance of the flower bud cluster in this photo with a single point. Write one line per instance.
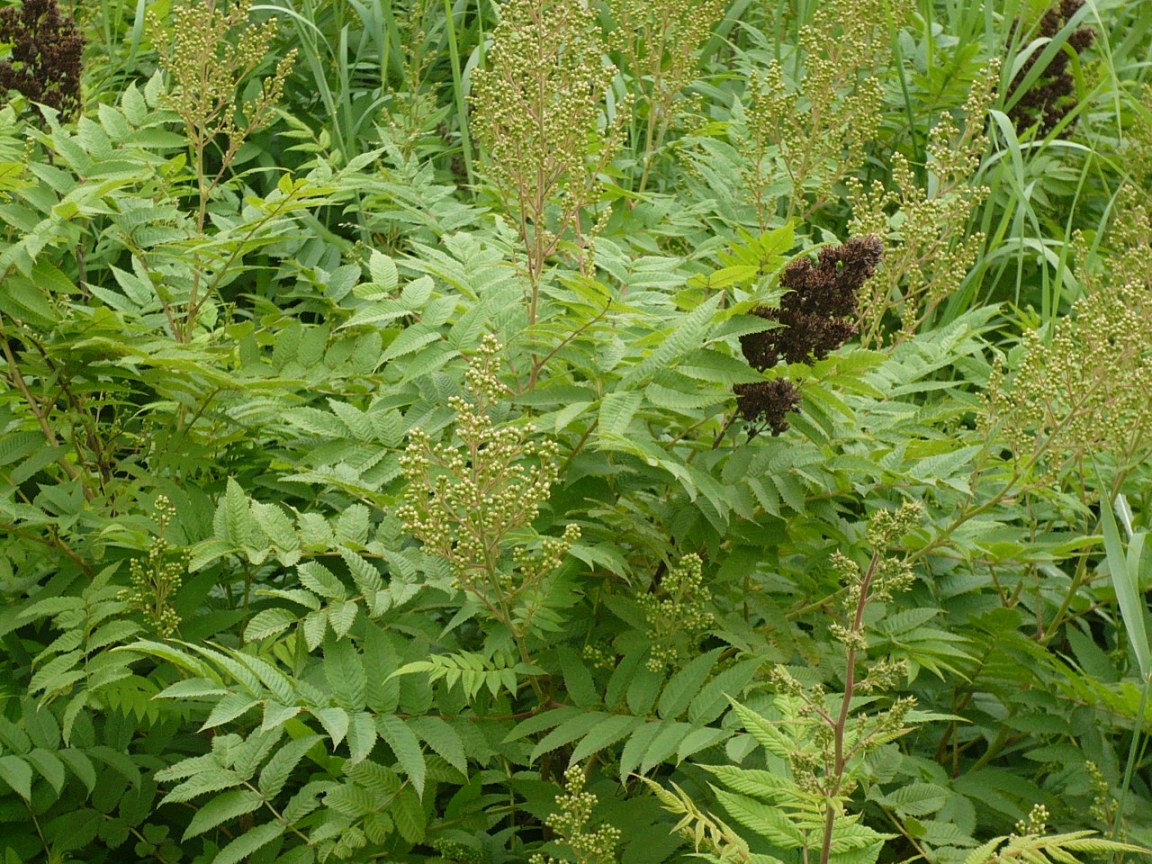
(816, 317)
(825, 731)
(537, 110)
(158, 576)
(1083, 394)
(46, 55)
(1036, 823)
(817, 128)
(929, 248)
(1104, 805)
(209, 54)
(467, 497)
(677, 613)
(888, 574)
(657, 41)
(571, 824)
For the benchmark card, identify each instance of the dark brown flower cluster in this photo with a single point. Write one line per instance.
(768, 403)
(47, 54)
(816, 316)
(1050, 98)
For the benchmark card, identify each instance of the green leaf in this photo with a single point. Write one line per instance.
(407, 749)
(712, 700)
(643, 689)
(540, 722)
(316, 577)
(637, 746)
(763, 819)
(664, 744)
(361, 736)
(315, 626)
(410, 340)
(248, 842)
(617, 410)
(764, 732)
(604, 734)
(700, 739)
(24, 300)
(17, 773)
(220, 809)
(345, 674)
(276, 715)
(49, 766)
(687, 336)
(342, 616)
(408, 814)
(443, 739)
(983, 854)
(236, 524)
(269, 622)
(81, 766)
(578, 681)
(277, 770)
(203, 782)
(567, 732)
(685, 685)
(335, 722)
(1126, 580)
(229, 708)
(763, 785)
(382, 269)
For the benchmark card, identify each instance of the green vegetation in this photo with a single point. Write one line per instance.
(609, 432)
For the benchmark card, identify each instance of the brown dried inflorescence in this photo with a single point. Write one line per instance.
(768, 402)
(815, 317)
(47, 55)
(1050, 98)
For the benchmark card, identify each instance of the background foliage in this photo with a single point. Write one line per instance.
(547, 431)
